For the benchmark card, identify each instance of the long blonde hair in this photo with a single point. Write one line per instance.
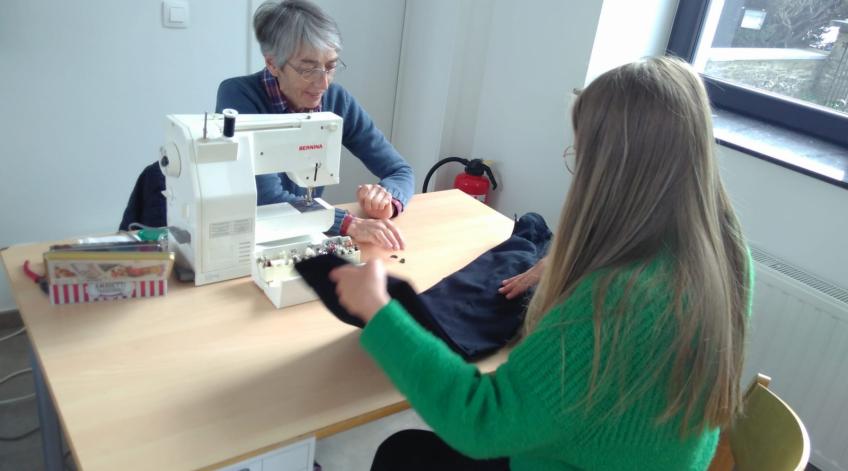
(646, 181)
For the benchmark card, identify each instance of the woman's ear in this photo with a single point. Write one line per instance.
(269, 63)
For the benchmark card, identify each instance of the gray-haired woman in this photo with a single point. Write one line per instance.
(301, 46)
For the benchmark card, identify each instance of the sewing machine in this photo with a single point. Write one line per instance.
(216, 228)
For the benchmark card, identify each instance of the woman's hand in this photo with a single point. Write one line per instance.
(381, 232)
(376, 201)
(361, 289)
(518, 284)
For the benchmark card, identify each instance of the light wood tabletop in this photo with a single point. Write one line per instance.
(207, 376)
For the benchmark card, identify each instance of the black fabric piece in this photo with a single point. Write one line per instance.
(316, 273)
(422, 450)
(147, 204)
(465, 309)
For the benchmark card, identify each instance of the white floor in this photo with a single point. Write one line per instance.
(354, 449)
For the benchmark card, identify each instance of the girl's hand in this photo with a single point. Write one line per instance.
(518, 284)
(361, 289)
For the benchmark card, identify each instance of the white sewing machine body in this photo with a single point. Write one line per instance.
(216, 227)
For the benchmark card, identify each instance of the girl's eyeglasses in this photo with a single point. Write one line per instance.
(569, 157)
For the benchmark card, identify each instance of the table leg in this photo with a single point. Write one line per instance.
(51, 434)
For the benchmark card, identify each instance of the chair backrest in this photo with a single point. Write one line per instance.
(768, 435)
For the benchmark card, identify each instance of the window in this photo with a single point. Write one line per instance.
(781, 61)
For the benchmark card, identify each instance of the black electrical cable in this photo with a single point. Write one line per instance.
(474, 166)
(439, 164)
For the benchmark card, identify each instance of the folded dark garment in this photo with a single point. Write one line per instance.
(467, 305)
(464, 309)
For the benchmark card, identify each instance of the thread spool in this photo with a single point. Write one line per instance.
(230, 122)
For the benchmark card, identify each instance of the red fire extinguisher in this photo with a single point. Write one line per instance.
(471, 181)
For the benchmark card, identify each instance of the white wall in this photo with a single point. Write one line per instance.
(86, 87)
(431, 41)
(492, 80)
(795, 217)
(628, 30)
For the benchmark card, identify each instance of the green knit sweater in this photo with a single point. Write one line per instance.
(530, 409)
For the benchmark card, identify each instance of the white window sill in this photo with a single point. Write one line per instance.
(791, 149)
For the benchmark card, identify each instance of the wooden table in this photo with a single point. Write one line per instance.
(207, 376)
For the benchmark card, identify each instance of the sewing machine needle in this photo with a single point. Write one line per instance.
(314, 180)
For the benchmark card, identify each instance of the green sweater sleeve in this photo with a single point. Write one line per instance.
(508, 412)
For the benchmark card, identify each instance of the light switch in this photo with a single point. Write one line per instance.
(178, 15)
(175, 14)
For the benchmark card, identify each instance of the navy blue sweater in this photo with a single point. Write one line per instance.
(360, 136)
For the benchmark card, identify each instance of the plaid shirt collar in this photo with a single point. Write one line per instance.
(278, 101)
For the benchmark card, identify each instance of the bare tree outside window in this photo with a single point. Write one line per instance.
(797, 49)
(791, 23)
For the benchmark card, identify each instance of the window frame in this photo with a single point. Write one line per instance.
(683, 41)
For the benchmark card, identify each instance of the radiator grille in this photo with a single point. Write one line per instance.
(799, 275)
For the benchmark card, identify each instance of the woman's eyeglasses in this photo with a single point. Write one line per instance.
(315, 74)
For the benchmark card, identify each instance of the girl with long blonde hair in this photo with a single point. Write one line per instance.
(633, 344)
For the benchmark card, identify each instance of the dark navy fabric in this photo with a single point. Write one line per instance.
(467, 306)
(465, 309)
(146, 204)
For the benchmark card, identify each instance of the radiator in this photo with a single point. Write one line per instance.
(799, 337)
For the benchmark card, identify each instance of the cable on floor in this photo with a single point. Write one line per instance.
(13, 334)
(14, 400)
(21, 436)
(15, 374)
